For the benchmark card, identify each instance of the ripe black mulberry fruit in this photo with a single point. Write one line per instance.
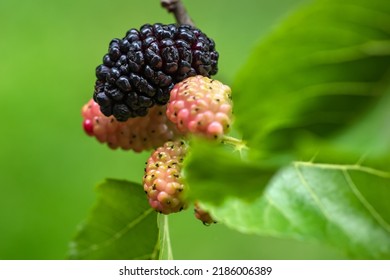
(139, 70)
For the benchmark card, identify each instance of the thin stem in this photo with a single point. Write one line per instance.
(177, 8)
(238, 144)
(164, 239)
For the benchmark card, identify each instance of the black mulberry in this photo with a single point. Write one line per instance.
(140, 70)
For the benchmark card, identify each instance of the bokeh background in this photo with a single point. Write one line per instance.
(49, 167)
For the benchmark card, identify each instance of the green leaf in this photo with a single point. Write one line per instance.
(214, 173)
(367, 140)
(370, 135)
(315, 75)
(121, 225)
(343, 205)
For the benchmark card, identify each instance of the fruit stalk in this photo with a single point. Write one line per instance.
(179, 11)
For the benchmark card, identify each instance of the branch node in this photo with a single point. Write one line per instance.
(177, 8)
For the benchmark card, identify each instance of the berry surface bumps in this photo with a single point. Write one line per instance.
(201, 106)
(163, 182)
(139, 70)
(137, 134)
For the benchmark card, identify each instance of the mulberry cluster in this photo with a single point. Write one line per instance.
(154, 89)
(202, 106)
(163, 182)
(139, 70)
(137, 134)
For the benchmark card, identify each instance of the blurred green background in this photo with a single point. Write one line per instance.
(49, 167)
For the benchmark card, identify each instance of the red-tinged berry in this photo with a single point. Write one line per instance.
(201, 106)
(88, 126)
(163, 181)
(203, 216)
(137, 134)
(139, 70)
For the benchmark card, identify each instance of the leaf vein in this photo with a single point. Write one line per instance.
(311, 191)
(364, 202)
(355, 167)
(116, 235)
(272, 203)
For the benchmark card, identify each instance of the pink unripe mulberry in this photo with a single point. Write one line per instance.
(137, 134)
(163, 182)
(201, 106)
